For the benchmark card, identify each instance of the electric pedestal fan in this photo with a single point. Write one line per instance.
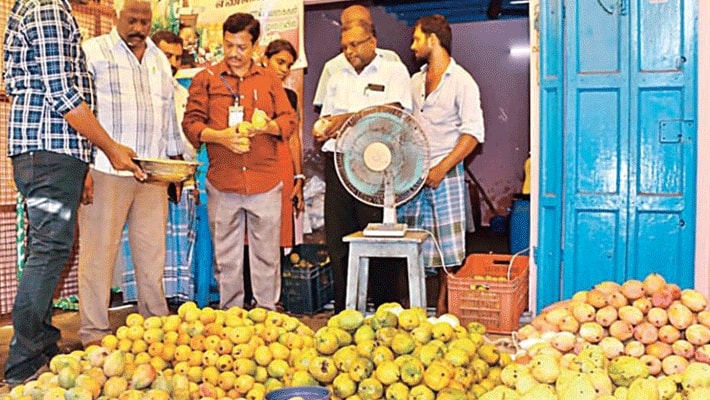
(382, 159)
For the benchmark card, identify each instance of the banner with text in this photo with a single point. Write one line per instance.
(280, 19)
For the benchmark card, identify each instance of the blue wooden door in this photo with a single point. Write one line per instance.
(663, 185)
(596, 145)
(628, 187)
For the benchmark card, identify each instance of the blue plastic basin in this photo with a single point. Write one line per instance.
(306, 392)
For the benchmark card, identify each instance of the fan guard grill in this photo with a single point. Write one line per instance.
(407, 143)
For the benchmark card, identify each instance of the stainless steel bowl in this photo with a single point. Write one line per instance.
(167, 170)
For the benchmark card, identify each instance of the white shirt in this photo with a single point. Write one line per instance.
(451, 110)
(380, 82)
(335, 64)
(135, 100)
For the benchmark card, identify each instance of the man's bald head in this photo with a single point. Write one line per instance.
(354, 13)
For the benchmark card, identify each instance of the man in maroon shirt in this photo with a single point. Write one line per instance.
(243, 183)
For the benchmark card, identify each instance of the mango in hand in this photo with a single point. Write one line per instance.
(243, 144)
(244, 127)
(259, 119)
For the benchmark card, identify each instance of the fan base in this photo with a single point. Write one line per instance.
(389, 230)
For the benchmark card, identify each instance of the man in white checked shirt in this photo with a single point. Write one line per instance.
(135, 92)
(178, 282)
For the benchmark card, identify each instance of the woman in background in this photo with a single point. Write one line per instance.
(280, 56)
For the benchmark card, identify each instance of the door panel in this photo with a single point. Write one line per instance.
(661, 247)
(596, 147)
(660, 146)
(600, 249)
(597, 38)
(660, 33)
(663, 161)
(629, 148)
(597, 143)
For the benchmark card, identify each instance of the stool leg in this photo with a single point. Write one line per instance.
(351, 291)
(422, 277)
(364, 272)
(415, 279)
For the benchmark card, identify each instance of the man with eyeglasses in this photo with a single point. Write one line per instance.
(243, 180)
(349, 14)
(368, 79)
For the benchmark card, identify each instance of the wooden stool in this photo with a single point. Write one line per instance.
(363, 247)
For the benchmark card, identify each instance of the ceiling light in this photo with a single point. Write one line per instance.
(520, 51)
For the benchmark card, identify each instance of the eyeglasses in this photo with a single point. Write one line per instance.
(355, 44)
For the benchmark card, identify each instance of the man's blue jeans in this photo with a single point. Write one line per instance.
(51, 184)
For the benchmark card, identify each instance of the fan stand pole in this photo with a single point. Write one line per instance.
(389, 214)
(389, 225)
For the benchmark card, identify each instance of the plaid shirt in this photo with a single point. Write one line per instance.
(46, 75)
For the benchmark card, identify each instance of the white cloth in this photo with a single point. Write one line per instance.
(335, 64)
(347, 91)
(451, 110)
(135, 100)
(181, 94)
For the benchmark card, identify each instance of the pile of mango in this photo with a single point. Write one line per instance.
(393, 354)
(399, 354)
(590, 375)
(641, 339)
(226, 354)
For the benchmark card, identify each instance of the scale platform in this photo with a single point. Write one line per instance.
(386, 230)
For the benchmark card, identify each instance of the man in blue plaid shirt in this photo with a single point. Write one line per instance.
(51, 133)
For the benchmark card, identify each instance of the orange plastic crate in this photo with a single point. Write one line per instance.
(476, 294)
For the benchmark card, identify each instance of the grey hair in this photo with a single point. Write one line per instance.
(119, 4)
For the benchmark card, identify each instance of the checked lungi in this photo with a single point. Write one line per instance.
(441, 211)
(178, 282)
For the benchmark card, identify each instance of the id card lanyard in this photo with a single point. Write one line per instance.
(236, 112)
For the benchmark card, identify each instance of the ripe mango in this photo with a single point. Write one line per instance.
(259, 119)
(244, 127)
(143, 376)
(114, 364)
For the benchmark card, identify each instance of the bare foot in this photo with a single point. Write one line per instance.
(441, 308)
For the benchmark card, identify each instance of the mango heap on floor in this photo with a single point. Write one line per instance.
(575, 349)
(218, 354)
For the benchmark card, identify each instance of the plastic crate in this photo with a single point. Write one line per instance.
(307, 286)
(476, 294)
